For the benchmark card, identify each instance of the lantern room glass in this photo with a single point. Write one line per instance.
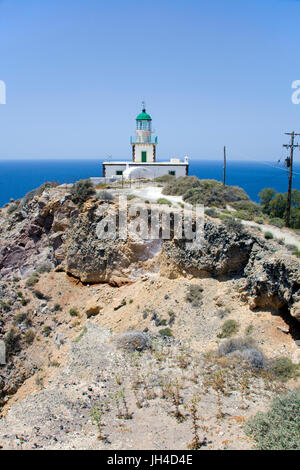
(143, 125)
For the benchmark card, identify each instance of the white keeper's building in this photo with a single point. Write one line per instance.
(144, 162)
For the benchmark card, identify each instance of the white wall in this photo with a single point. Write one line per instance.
(144, 148)
(156, 169)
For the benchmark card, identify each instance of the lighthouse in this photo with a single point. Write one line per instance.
(144, 144)
(144, 162)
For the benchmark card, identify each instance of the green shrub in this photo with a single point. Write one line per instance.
(165, 178)
(236, 344)
(39, 295)
(31, 281)
(229, 327)
(283, 368)
(248, 207)
(277, 222)
(83, 332)
(279, 428)
(162, 200)
(195, 295)
(166, 332)
(208, 197)
(44, 268)
(73, 312)
(12, 341)
(46, 330)
(249, 330)
(56, 307)
(55, 364)
(213, 193)
(130, 197)
(274, 204)
(244, 215)
(207, 192)
(297, 252)
(268, 235)
(211, 212)
(6, 305)
(233, 224)
(179, 186)
(29, 336)
(223, 216)
(259, 220)
(28, 197)
(12, 208)
(21, 318)
(82, 191)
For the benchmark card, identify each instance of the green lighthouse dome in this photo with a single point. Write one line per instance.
(143, 116)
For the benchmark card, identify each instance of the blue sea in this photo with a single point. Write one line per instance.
(17, 177)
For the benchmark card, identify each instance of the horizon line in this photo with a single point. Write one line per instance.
(102, 159)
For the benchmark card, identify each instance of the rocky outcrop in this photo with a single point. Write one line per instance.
(271, 274)
(49, 227)
(29, 235)
(89, 258)
(222, 253)
(273, 280)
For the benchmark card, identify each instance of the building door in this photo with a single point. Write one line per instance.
(144, 157)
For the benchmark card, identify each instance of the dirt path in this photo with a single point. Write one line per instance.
(290, 238)
(152, 193)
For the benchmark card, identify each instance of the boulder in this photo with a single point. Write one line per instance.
(133, 341)
(93, 308)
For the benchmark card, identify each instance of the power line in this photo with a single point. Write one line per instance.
(282, 169)
(289, 162)
(224, 166)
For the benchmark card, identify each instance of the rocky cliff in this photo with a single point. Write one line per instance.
(56, 273)
(49, 228)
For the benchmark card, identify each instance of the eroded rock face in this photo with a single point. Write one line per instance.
(273, 280)
(28, 237)
(223, 252)
(272, 276)
(90, 258)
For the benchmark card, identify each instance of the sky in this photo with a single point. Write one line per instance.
(212, 73)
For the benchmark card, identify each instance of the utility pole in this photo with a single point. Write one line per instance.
(291, 146)
(224, 166)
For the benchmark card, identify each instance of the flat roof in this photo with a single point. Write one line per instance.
(144, 163)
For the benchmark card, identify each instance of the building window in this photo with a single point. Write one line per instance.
(172, 173)
(119, 172)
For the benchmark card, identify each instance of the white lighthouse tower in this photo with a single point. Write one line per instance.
(143, 144)
(144, 162)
